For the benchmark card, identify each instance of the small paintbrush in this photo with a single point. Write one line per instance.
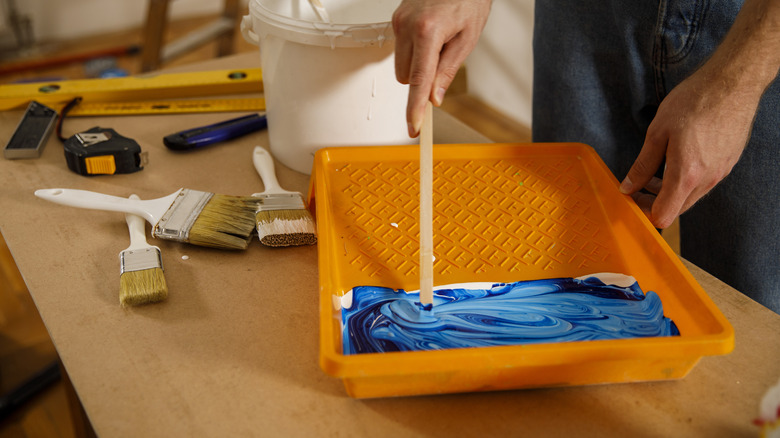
(141, 278)
(191, 216)
(282, 218)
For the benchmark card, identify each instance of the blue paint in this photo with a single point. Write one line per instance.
(541, 311)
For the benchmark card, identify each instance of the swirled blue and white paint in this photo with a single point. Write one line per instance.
(601, 306)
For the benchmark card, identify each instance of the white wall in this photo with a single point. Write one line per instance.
(500, 69)
(67, 19)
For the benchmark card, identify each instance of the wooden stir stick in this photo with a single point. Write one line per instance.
(426, 207)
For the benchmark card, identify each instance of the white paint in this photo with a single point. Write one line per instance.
(185, 257)
(344, 301)
(286, 226)
(619, 280)
(609, 278)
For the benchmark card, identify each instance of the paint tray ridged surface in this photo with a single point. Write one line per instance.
(502, 213)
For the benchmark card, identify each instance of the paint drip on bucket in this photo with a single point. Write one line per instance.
(327, 83)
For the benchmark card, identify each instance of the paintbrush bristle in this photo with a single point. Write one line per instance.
(286, 227)
(225, 222)
(142, 287)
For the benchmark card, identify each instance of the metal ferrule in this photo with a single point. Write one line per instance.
(280, 201)
(176, 223)
(140, 259)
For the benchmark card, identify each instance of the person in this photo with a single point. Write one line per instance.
(679, 97)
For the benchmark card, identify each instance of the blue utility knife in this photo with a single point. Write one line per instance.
(223, 131)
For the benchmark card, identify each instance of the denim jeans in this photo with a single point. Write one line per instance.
(601, 68)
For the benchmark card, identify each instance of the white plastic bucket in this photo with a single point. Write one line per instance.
(327, 84)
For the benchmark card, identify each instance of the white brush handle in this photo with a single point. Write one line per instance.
(264, 164)
(151, 210)
(137, 228)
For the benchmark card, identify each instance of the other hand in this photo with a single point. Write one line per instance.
(704, 124)
(701, 128)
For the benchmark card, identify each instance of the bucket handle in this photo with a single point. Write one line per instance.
(247, 31)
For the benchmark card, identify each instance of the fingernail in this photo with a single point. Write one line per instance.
(412, 130)
(626, 186)
(439, 96)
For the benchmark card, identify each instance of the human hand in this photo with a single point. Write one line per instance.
(432, 39)
(703, 124)
(701, 128)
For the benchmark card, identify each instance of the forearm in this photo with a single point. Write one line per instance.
(748, 59)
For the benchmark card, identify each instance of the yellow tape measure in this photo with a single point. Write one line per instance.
(149, 94)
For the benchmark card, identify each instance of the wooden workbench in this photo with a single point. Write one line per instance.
(234, 350)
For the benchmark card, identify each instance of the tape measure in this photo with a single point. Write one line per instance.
(146, 94)
(102, 151)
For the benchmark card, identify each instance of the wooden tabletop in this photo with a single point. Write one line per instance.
(234, 350)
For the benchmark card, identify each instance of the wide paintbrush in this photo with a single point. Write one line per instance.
(191, 216)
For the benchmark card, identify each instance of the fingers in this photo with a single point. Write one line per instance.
(668, 197)
(645, 202)
(431, 74)
(433, 38)
(654, 186)
(681, 188)
(403, 50)
(451, 58)
(417, 51)
(429, 80)
(422, 72)
(667, 205)
(646, 165)
(671, 196)
(404, 22)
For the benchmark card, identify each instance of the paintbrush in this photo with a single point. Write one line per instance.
(282, 218)
(141, 278)
(191, 216)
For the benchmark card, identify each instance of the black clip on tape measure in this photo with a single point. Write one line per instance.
(101, 151)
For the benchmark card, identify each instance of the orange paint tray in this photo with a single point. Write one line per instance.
(502, 213)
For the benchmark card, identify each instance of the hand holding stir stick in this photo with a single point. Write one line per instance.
(426, 208)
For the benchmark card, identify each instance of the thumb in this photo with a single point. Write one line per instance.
(645, 166)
